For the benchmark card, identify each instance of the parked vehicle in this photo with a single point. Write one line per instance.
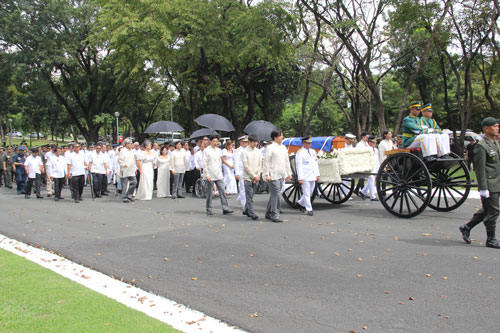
(36, 135)
(16, 134)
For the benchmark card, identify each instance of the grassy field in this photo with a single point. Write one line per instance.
(34, 142)
(35, 299)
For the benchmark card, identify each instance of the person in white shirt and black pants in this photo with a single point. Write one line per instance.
(307, 173)
(34, 169)
(76, 171)
(56, 167)
(276, 169)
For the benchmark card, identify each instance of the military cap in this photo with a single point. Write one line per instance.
(21, 148)
(489, 121)
(350, 136)
(243, 138)
(415, 105)
(427, 107)
(306, 139)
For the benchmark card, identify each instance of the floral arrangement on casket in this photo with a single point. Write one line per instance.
(355, 160)
(328, 164)
(342, 162)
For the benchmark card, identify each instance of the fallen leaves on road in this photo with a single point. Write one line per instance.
(194, 278)
(165, 259)
(444, 278)
(426, 234)
(253, 315)
(427, 275)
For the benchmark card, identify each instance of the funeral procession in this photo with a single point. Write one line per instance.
(249, 166)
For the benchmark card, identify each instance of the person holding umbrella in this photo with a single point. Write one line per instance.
(276, 169)
(212, 172)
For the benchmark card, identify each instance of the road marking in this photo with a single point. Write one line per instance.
(176, 315)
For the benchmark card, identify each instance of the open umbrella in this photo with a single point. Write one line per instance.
(261, 128)
(216, 122)
(164, 126)
(203, 132)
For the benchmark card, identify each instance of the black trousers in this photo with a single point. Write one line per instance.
(1, 175)
(188, 180)
(104, 184)
(38, 184)
(77, 183)
(58, 185)
(97, 180)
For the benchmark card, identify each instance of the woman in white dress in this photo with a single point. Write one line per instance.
(148, 160)
(385, 145)
(228, 168)
(163, 181)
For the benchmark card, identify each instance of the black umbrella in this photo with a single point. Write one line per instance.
(203, 132)
(164, 126)
(216, 122)
(261, 128)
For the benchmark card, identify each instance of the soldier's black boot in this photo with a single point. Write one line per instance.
(464, 229)
(491, 241)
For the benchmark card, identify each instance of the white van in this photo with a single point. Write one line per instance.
(168, 137)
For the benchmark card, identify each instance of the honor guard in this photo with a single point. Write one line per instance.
(487, 167)
(430, 126)
(307, 173)
(414, 136)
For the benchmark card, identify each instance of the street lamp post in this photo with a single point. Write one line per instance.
(117, 114)
(10, 134)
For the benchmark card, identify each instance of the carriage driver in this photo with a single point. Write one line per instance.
(415, 136)
(430, 126)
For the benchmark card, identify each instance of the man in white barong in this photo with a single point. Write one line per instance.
(57, 167)
(128, 167)
(276, 171)
(370, 184)
(238, 170)
(251, 159)
(307, 173)
(212, 173)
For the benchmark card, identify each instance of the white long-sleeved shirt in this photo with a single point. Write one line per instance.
(178, 161)
(198, 159)
(362, 144)
(212, 163)
(238, 163)
(307, 165)
(385, 145)
(251, 159)
(276, 162)
(57, 166)
(128, 162)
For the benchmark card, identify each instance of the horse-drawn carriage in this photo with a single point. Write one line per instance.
(406, 182)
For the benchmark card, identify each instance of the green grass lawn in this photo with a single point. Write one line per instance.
(35, 299)
(34, 142)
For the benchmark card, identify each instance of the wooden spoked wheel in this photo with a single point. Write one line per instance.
(450, 185)
(337, 193)
(404, 185)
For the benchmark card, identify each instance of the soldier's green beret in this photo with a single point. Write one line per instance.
(489, 121)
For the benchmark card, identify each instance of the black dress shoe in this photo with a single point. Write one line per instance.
(210, 213)
(493, 242)
(277, 220)
(104, 193)
(61, 198)
(49, 195)
(225, 212)
(310, 213)
(80, 199)
(39, 197)
(98, 196)
(245, 213)
(76, 201)
(362, 196)
(268, 217)
(254, 217)
(465, 233)
(180, 196)
(375, 199)
(302, 209)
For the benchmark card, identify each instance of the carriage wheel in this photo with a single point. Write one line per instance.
(293, 190)
(450, 186)
(337, 193)
(404, 185)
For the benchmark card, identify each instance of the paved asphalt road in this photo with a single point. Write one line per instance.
(350, 267)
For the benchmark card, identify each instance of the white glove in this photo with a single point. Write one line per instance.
(430, 130)
(484, 193)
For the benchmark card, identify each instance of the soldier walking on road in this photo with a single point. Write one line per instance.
(18, 166)
(6, 164)
(487, 167)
